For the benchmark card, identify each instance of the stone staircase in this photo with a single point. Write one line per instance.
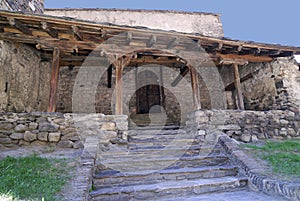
(162, 164)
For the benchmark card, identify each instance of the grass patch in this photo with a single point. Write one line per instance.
(32, 178)
(283, 157)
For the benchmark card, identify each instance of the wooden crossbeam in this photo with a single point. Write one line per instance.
(51, 31)
(18, 25)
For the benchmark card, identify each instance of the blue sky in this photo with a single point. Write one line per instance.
(268, 21)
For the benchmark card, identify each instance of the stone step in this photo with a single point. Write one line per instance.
(158, 162)
(154, 127)
(168, 189)
(133, 149)
(112, 178)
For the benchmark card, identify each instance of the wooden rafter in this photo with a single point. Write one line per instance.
(51, 31)
(18, 25)
(77, 33)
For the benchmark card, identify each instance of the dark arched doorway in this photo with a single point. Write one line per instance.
(149, 92)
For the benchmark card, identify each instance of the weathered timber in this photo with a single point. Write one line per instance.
(54, 80)
(77, 33)
(51, 31)
(183, 73)
(18, 25)
(195, 88)
(238, 87)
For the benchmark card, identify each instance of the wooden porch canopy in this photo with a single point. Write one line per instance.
(69, 41)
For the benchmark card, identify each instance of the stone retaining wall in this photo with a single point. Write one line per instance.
(257, 179)
(247, 125)
(57, 129)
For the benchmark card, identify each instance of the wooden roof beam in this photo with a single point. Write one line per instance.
(77, 33)
(51, 31)
(249, 58)
(18, 25)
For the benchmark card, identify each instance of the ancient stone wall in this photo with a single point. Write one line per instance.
(201, 23)
(266, 86)
(24, 79)
(27, 6)
(247, 125)
(57, 129)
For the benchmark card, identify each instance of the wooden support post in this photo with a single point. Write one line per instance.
(54, 80)
(120, 65)
(238, 87)
(195, 88)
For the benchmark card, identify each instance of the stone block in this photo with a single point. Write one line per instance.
(29, 136)
(33, 126)
(246, 137)
(43, 136)
(38, 143)
(65, 144)
(21, 128)
(5, 140)
(6, 126)
(108, 126)
(47, 127)
(24, 143)
(17, 136)
(54, 137)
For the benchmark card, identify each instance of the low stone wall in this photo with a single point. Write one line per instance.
(257, 179)
(247, 125)
(57, 129)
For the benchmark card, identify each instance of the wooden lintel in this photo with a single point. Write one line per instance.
(173, 43)
(238, 87)
(249, 58)
(51, 31)
(179, 77)
(18, 25)
(195, 88)
(77, 33)
(151, 41)
(54, 80)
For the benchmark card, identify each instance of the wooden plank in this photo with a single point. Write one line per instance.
(195, 88)
(54, 80)
(238, 87)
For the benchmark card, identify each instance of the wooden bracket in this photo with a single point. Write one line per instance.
(51, 31)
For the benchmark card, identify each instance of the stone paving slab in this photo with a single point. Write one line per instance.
(229, 196)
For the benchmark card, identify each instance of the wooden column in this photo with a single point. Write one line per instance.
(238, 87)
(54, 80)
(195, 88)
(120, 65)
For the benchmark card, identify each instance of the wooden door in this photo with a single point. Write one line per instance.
(148, 94)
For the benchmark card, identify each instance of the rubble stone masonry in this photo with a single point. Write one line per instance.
(26, 6)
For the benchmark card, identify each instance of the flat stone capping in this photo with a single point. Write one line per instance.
(257, 180)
